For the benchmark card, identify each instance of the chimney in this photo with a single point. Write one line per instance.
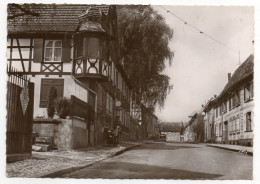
(229, 76)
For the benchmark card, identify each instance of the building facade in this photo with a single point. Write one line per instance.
(74, 48)
(229, 117)
(173, 131)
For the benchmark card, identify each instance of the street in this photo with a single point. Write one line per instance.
(163, 160)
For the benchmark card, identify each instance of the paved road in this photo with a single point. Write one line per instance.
(172, 161)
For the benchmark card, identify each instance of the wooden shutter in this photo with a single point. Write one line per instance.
(38, 50)
(251, 90)
(66, 50)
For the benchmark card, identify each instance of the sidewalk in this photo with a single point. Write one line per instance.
(57, 163)
(243, 149)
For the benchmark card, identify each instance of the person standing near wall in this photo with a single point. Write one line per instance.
(105, 134)
(117, 131)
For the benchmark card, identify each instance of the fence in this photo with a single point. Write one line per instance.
(20, 93)
(79, 108)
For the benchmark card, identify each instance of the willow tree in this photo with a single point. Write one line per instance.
(143, 38)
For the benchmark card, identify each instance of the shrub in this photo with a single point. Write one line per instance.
(63, 107)
(52, 95)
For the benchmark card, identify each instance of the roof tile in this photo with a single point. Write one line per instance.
(53, 17)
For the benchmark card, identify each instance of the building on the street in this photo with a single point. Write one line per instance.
(209, 119)
(230, 115)
(235, 107)
(173, 131)
(155, 128)
(150, 121)
(194, 130)
(74, 49)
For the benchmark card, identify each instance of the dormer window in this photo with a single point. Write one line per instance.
(248, 92)
(53, 50)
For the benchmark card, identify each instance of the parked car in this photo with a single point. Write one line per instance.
(162, 137)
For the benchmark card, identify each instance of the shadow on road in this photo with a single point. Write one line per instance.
(124, 170)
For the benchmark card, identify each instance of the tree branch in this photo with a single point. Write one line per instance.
(25, 12)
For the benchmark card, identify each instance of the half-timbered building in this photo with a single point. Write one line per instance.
(74, 49)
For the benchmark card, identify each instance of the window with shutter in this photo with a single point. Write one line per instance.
(53, 51)
(66, 50)
(38, 50)
(248, 91)
(220, 129)
(46, 84)
(237, 124)
(248, 121)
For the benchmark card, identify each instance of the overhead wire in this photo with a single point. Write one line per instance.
(200, 31)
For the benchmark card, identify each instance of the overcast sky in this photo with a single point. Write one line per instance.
(200, 66)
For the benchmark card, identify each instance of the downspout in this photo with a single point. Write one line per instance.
(87, 88)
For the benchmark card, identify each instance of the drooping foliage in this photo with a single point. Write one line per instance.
(63, 105)
(144, 38)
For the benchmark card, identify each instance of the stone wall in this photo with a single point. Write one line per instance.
(63, 135)
(67, 134)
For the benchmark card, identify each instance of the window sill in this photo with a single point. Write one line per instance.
(249, 100)
(43, 105)
(237, 105)
(50, 62)
(249, 131)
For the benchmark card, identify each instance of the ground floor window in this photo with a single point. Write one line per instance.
(46, 84)
(220, 129)
(248, 121)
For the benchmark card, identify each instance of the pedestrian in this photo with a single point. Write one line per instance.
(117, 131)
(105, 134)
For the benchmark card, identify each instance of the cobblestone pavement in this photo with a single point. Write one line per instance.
(42, 163)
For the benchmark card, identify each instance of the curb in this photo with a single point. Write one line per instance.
(230, 149)
(58, 173)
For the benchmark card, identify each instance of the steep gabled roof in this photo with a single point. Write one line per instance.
(52, 17)
(245, 70)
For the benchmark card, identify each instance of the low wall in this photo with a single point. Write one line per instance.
(79, 133)
(67, 134)
(242, 142)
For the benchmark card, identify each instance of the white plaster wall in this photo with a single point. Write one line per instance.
(67, 67)
(172, 136)
(35, 67)
(70, 88)
(239, 112)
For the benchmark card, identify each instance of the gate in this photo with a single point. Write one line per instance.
(20, 93)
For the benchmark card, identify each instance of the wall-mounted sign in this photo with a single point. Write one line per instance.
(118, 103)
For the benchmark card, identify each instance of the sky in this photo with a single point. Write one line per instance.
(199, 69)
(200, 66)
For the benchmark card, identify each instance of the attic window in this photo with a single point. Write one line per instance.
(248, 92)
(53, 50)
(235, 100)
